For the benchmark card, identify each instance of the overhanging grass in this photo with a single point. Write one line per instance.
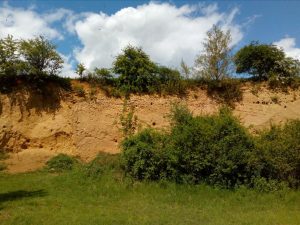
(70, 198)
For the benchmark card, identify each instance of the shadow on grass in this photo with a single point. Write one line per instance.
(18, 195)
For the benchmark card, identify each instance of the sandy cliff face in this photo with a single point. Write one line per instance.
(34, 128)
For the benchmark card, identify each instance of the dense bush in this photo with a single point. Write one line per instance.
(137, 73)
(60, 163)
(216, 150)
(190, 152)
(33, 62)
(227, 90)
(265, 61)
(41, 57)
(279, 153)
(143, 155)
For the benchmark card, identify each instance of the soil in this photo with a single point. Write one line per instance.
(33, 129)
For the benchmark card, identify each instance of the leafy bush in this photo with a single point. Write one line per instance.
(34, 63)
(215, 149)
(215, 61)
(262, 184)
(279, 153)
(265, 61)
(190, 152)
(227, 90)
(103, 162)
(128, 120)
(137, 72)
(60, 163)
(142, 156)
(170, 81)
(41, 57)
(104, 75)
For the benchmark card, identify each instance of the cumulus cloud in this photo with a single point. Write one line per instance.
(288, 45)
(25, 23)
(68, 66)
(166, 32)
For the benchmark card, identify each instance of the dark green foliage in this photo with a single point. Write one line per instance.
(170, 81)
(80, 68)
(227, 90)
(103, 74)
(262, 184)
(33, 63)
(190, 152)
(102, 163)
(137, 72)
(216, 150)
(143, 156)
(60, 163)
(279, 153)
(40, 57)
(10, 62)
(265, 61)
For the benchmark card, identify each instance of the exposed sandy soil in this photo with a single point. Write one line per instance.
(33, 129)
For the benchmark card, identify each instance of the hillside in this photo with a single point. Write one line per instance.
(34, 128)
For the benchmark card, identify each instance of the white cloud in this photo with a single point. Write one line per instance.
(288, 45)
(67, 70)
(166, 32)
(26, 23)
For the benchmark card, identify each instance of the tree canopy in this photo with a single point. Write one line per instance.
(41, 56)
(137, 72)
(258, 60)
(215, 61)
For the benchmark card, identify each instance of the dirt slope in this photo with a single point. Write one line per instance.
(34, 128)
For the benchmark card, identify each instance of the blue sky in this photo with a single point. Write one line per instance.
(94, 32)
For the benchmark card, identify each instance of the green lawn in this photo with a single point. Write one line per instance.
(43, 198)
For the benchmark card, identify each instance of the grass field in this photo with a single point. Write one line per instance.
(70, 198)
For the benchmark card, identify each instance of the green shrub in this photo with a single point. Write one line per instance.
(102, 163)
(214, 149)
(137, 71)
(279, 153)
(128, 120)
(227, 90)
(262, 184)
(143, 155)
(60, 163)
